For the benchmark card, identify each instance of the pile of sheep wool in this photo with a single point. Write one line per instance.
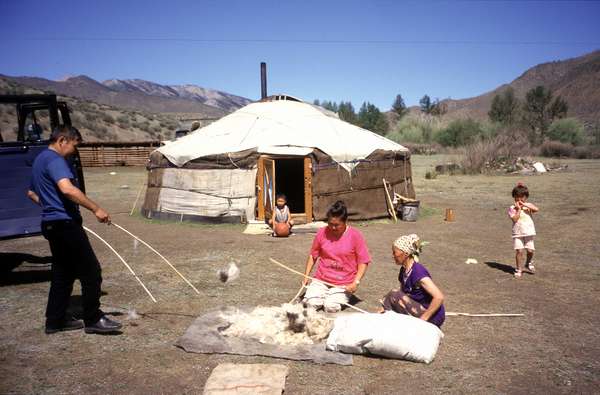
(290, 324)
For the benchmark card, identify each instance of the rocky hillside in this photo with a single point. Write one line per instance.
(139, 95)
(96, 121)
(577, 80)
(209, 97)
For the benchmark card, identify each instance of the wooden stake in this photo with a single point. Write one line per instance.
(137, 198)
(157, 253)
(317, 280)
(122, 260)
(388, 199)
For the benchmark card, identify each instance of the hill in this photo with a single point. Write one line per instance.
(140, 95)
(96, 122)
(577, 80)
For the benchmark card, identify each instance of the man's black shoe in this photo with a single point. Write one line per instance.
(103, 325)
(68, 325)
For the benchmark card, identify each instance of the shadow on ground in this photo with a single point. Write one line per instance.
(501, 266)
(12, 260)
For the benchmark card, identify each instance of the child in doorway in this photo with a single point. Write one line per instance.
(523, 229)
(281, 214)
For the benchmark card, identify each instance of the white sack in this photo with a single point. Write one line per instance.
(390, 335)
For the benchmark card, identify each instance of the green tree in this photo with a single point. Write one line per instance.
(505, 108)
(426, 104)
(540, 111)
(460, 132)
(347, 113)
(566, 130)
(399, 107)
(370, 118)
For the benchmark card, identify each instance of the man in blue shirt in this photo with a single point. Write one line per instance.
(54, 187)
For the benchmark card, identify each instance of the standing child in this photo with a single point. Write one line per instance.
(523, 229)
(281, 215)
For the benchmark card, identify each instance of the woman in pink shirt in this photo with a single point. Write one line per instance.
(342, 257)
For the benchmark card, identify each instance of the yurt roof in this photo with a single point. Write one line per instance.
(280, 126)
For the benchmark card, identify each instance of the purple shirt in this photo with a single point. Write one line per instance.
(411, 287)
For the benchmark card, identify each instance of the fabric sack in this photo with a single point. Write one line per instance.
(390, 335)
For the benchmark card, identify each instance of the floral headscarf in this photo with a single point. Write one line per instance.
(410, 244)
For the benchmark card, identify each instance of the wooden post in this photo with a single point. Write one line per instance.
(308, 209)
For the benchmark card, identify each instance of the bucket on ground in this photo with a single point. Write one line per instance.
(409, 211)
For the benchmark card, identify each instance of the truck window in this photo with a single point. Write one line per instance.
(8, 123)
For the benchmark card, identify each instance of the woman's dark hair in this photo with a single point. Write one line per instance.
(520, 190)
(338, 210)
(68, 132)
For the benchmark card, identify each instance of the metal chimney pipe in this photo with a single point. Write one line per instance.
(263, 80)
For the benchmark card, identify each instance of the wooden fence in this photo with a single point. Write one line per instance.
(103, 153)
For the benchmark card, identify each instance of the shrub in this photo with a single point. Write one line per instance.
(485, 155)
(108, 118)
(460, 132)
(567, 130)
(556, 149)
(430, 175)
(420, 129)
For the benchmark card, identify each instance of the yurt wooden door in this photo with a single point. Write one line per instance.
(289, 175)
(266, 187)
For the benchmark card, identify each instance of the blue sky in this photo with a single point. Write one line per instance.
(336, 50)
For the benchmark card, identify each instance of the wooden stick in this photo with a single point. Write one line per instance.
(122, 260)
(137, 198)
(157, 253)
(298, 294)
(388, 199)
(317, 280)
(453, 314)
(404, 198)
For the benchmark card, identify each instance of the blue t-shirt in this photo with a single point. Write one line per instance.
(49, 168)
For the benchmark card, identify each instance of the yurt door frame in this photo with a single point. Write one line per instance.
(265, 185)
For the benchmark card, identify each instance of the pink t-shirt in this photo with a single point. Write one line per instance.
(339, 259)
(524, 225)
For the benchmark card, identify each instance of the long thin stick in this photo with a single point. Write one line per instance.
(137, 198)
(317, 280)
(122, 260)
(298, 294)
(159, 254)
(389, 202)
(452, 314)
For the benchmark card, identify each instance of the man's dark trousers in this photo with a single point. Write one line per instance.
(72, 258)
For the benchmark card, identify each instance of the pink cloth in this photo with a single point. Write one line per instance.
(524, 226)
(339, 259)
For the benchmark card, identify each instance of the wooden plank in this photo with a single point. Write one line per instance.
(259, 182)
(308, 208)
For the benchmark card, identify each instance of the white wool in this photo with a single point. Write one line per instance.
(289, 324)
(228, 274)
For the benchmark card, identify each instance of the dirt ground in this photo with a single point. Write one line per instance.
(553, 349)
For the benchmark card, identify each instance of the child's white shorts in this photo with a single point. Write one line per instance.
(523, 242)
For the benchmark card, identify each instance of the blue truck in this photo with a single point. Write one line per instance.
(36, 116)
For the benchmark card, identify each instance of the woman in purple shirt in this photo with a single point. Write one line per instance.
(417, 295)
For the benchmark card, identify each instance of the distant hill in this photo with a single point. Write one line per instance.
(209, 97)
(577, 80)
(95, 121)
(140, 95)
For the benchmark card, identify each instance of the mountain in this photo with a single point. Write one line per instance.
(210, 97)
(96, 122)
(576, 80)
(140, 95)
